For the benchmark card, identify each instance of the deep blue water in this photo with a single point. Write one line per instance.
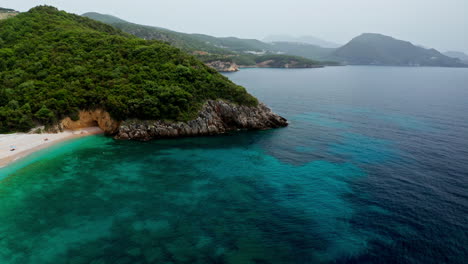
(372, 169)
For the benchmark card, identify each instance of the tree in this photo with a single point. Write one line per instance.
(45, 115)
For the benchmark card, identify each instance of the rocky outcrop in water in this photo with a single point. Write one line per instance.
(216, 117)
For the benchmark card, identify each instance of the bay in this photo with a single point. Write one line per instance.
(372, 169)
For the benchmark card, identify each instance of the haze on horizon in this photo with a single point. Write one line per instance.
(439, 24)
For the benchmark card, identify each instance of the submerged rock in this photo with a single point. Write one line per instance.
(216, 117)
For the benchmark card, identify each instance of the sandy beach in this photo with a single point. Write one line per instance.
(26, 144)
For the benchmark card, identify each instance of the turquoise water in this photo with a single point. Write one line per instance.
(372, 169)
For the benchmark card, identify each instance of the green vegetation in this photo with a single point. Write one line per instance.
(52, 64)
(273, 60)
(244, 60)
(208, 48)
(279, 61)
(186, 42)
(108, 19)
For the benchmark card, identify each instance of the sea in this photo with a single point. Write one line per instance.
(373, 168)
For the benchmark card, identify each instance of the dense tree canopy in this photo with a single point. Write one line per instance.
(52, 64)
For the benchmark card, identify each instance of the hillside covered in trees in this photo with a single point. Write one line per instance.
(366, 49)
(53, 64)
(243, 52)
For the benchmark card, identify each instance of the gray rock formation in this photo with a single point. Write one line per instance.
(216, 117)
(223, 66)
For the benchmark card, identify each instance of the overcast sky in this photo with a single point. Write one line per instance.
(441, 24)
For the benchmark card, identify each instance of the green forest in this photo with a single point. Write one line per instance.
(53, 64)
(208, 48)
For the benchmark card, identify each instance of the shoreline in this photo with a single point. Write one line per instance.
(27, 144)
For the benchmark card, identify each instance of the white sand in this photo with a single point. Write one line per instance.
(27, 143)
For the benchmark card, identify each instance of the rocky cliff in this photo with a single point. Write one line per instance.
(96, 117)
(216, 117)
(223, 66)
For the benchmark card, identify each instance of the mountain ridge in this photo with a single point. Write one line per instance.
(228, 52)
(379, 49)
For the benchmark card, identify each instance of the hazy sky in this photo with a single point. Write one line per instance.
(441, 24)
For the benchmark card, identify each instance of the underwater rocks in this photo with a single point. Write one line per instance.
(216, 117)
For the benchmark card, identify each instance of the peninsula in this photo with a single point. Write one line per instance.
(63, 71)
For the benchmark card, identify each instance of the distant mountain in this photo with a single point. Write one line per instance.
(457, 54)
(377, 49)
(305, 50)
(7, 12)
(366, 49)
(2, 9)
(302, 39)
(108, 19)
(188, 42)
(224, 54)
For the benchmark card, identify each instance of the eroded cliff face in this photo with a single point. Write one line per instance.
(216, 117)
(223, 66)
(92, 118)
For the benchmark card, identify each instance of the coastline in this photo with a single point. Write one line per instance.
(29, 143)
